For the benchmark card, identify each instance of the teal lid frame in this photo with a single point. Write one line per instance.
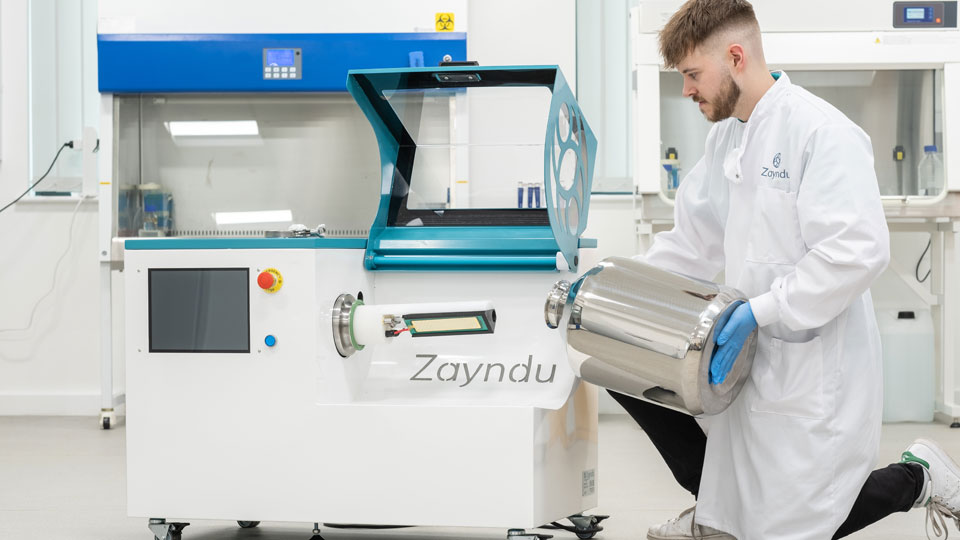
(478, 239)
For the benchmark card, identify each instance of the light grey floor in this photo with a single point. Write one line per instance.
(62, 478)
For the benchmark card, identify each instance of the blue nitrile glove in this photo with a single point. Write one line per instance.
(730, 335)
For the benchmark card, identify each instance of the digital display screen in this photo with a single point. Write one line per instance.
(918, 14)
(280, 57)
(199, 310)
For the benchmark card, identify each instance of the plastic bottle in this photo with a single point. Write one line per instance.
(909, 382)
(671, 164)
(930, 172)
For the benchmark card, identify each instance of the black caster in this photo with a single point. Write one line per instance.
(584, 527)
(166, 531)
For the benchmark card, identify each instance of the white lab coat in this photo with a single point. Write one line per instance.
(787, 204)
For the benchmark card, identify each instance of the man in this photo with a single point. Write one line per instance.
(785, 201)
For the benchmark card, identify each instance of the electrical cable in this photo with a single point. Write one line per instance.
(916, 271)
(68, 144)
(56, 270)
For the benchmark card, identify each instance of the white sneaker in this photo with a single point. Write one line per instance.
(941, 495)
(682, 528)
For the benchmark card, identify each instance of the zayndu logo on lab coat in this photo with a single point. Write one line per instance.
(775, 172)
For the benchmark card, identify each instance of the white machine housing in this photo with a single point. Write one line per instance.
(268, 436)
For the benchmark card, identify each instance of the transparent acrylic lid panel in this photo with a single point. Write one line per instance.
(894, 107)
(474, 146)
(310, 159)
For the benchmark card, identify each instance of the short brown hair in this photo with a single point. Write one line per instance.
(696, 21)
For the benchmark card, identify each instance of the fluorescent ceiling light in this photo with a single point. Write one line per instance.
(265, 216)
(213, 129)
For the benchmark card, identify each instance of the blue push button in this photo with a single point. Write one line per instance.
(270, 341)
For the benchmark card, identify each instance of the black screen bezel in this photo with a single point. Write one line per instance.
(151, 348)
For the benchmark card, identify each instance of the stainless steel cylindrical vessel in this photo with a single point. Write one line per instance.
(648, 333)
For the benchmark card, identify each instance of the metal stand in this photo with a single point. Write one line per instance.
(316, 532)
(520, 534)
(943, 298)
(107, 417)
(166, 531)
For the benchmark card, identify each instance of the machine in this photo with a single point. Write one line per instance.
(389, 367)
(889, 67)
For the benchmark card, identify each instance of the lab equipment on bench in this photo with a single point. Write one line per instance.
(671, 166)
(532, 190)
(156, 210)
(649, 333)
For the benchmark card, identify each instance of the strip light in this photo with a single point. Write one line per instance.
(264, 216)
(232, 128)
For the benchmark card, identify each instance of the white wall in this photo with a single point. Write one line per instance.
(53, 367)
(534, 33)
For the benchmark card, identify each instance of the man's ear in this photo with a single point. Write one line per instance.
(736, 57)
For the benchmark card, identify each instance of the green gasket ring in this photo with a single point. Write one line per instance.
(353, 340)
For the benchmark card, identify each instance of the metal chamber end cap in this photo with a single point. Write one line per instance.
(341, 324)
(556, 300)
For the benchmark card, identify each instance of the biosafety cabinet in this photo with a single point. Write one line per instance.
(891, 67)
(383, 361)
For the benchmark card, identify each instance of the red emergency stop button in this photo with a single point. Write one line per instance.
(270, 280)
(266, 280)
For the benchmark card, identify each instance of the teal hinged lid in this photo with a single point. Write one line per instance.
(483, 168)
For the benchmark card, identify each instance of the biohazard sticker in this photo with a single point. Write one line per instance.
(444, 22)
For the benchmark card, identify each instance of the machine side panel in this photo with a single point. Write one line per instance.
(565, 457)
(418, 465)
(218, 425)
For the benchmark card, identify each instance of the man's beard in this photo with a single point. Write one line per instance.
(726, 100)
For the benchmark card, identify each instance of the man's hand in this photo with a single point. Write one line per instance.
(730, 334)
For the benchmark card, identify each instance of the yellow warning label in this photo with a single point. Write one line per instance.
(444, 22)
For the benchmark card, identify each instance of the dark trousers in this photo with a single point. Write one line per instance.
(683, 444)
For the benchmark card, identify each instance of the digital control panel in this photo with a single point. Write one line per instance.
(925, 15)
(282, 64)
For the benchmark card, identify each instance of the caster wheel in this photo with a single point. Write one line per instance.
(108, 419)
(248, 524)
